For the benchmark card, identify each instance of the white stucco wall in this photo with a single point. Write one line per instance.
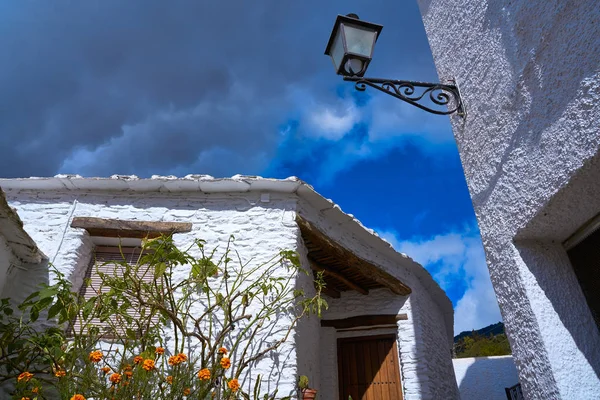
(6, 259)
(262, 225)
(529, 75)
(485, 377)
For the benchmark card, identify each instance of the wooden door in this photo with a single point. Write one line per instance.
(368, 368)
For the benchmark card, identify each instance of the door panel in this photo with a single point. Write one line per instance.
(368, 368)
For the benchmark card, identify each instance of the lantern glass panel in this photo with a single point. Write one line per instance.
(337, 50)
(359, 40)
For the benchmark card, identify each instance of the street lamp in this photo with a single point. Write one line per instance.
(351, 47)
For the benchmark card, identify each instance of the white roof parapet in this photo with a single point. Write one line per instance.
(238, 184)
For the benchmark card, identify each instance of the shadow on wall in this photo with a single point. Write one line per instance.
(485, 377)
(543, 94)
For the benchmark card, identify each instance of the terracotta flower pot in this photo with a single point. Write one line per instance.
(309, 394)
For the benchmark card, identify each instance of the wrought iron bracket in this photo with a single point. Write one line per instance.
(415, 93)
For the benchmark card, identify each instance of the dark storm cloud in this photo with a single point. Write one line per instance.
(144, 87)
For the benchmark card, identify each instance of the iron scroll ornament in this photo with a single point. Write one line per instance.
(414, 92)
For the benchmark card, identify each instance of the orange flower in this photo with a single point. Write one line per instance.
(160, 350)
(60, 373)
(128, 374)
(25, 398)
(148, 365)
(127, 367)
(78, 397)
(115, 378)
(204, 374)
(24, 376)
(177, 359)
(225, 362)
(138, 359)
(125, 383)
(222, 350)
(106, 370)
(35, 390)
(170, 380)
(187, 391)
(96, 356)
(234, 385)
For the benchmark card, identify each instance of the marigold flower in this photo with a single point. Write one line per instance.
(160, 350)
(25, 398)
(106, 370)
(222, 350)
(96, 356)
(60, 373)
(138, 359)
(234, 385)
(148, 365)
(35, 389)
(128, 374)
(24, 376)
(225, 362)
(187, 391)
(127, 367)
(169, 380)
(115, 378)
(177, 359)
(78, 397)
(204, 374)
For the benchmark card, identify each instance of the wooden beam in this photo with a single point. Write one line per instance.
(339, 277)
(129, 229)
(363, 320)
(331, 292)
(374, 272)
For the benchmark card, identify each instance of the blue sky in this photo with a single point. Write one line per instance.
(229, 87)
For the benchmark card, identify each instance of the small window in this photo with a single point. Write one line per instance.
(106, 260)
(585, 258)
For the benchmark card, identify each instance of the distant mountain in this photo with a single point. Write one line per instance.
(493, 330)
(485, 342)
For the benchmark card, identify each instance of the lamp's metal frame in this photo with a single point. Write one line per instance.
(415, 92)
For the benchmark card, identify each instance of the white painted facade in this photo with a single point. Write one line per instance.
(529, 75)
(261, 214)
(485, 377)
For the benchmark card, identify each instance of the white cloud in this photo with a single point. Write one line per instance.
(332, 123)
(456, 259)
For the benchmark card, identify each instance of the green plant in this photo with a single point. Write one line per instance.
(303, 382)
(217, 315)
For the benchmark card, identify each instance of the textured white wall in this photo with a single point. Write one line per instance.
(485, 377)
(6, 258)
(529, 74)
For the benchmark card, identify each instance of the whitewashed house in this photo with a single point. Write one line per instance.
(378, 299)
(529, 76)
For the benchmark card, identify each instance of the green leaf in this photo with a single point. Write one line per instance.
(159, 269)
(34, 314)
(54, 310)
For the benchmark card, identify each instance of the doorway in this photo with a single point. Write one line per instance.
(368, 368)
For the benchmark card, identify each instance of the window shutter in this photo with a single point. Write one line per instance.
(102, 263)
